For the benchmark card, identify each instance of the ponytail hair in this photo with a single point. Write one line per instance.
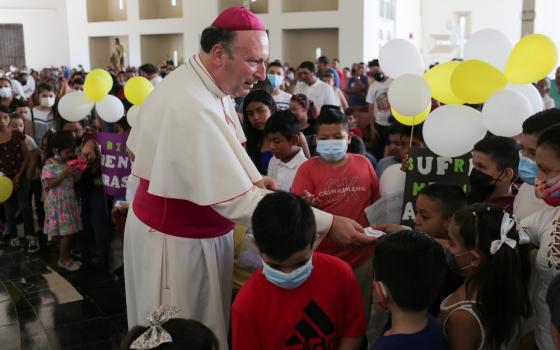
(306, 103)
(502, 278)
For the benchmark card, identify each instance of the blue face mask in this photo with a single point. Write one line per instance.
(332, 150)
(275, 80)
(288, 280)
(527, 169)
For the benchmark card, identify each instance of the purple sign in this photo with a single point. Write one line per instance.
(115, 164)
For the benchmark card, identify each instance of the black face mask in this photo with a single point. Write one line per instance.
(482, 185)
(379, 76)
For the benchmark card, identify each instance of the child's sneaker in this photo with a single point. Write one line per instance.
(33, 245)
(15, 242)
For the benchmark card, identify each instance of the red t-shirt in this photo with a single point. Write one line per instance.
(343, 190)
(317, 315)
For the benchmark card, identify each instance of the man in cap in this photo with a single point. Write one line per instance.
(196, 180)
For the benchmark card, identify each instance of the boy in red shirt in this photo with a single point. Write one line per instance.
(300, 299)
(343, 184)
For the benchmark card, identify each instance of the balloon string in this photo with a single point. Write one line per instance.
(411, 133)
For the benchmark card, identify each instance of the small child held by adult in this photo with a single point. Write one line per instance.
(62, 219)
(282, 132)
(168, 333)
(300, 299)
(409, 267)
(488, 249)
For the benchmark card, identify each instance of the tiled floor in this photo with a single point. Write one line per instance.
(39, 309)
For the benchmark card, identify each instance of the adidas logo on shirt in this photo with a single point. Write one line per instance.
(314, 331)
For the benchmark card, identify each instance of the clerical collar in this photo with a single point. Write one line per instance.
(205, 76)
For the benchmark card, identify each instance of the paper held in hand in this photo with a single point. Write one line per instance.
(373, 232)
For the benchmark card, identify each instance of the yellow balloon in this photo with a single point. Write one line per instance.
(532, 58)
(137, 89)
(6, 188)
(410, 120)
(439, 80)
(95, 88)
(104, 76)
(474, 81)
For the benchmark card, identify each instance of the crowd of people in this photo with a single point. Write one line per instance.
(478, 270)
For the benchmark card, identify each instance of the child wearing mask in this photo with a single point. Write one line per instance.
(62, 218)
(322, 294)
(282, 132)
(43, 115)
(543, 228)
(495, 161)
(13, 164)
(526, 203)
(305, 113)
(490, 251)
(341, 184)
(275, 77)
(409, 267)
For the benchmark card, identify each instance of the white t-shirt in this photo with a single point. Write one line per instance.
(43, 120)
(526, 203)
(319, 92)
(378, 97)
(543, 229)
(156, 80)
(284, 173)
(282, 100)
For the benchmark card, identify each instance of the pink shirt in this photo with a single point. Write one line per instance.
(343, 190)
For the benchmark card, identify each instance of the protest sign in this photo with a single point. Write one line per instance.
(425, 167)
(115, 163)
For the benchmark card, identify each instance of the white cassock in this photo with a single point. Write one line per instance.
(194, 174)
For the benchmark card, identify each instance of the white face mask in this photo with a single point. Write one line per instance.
(6, 92)
(47, 102)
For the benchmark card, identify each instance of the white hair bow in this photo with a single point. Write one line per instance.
(507, 223)
(156, 335)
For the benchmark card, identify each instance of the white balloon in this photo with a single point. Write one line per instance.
(531, 93)
(504, 113)
(452, 130)
(110, 109)
(490, 46)
(74, 106)
(399, 57)
(392, 180)
(132, 116)
(409, 94)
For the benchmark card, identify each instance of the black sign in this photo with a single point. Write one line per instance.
(425, 167)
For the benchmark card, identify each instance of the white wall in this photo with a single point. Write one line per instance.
(546, 21)
(45, 30)
(503, 15)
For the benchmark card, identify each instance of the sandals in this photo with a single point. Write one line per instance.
(70, 265)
